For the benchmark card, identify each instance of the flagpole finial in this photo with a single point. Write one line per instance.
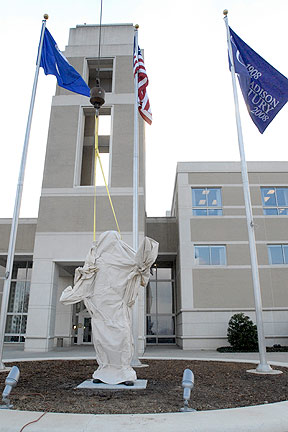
(136, 26)
(45, 16)
(225, 12)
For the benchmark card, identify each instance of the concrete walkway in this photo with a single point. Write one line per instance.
(264, 418)
(16, 353)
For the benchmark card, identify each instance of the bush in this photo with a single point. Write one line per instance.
(242, 333)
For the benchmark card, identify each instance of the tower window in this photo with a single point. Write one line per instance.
(105, 73)
(104, 132)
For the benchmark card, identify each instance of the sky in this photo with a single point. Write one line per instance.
(190, 87)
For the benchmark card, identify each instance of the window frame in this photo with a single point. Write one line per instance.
(104, 67)
(25, 283)
(277, 207)
(156, 278)
(207, 208)
(210, 247)
(282, 245)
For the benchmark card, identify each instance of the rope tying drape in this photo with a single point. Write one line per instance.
(97, 157)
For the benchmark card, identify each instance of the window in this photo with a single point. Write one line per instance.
(104, 132)
(210, 255)
(275, 200)
(18, 302)
(105, 73)
(160, 306)
(206, 201)
(278, 254)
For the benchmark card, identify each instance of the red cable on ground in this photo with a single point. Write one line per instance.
(34, 421)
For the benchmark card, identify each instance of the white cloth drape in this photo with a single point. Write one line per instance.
(109, 283)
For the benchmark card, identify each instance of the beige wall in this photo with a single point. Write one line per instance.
(269, 178)
(274, 287)
(272, 228)
(25, 236)
(237, 254)
(219, 178)
(75, 214)
(232, 288)
(111, 35)
(165, 231)
(214, 178)
(61, 147)
(122, 146)
(124, 71)
(232, 196)
(219, 229)
(222, 288)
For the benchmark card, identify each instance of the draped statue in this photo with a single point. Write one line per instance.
(109, 283)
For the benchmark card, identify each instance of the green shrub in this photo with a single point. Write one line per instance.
(242, 333)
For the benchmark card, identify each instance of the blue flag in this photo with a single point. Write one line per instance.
(265, 90)
(55, 63)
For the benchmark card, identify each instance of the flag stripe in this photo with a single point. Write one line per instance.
(140, 74)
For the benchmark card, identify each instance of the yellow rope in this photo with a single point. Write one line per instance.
(108, 193)
(95, 164)
(97, 155)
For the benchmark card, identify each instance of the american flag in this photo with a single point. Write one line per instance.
(143, 100)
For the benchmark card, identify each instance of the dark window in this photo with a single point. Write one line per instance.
(105, 73)
(160, 306)
(88, 156)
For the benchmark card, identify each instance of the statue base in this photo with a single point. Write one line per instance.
(88, 384)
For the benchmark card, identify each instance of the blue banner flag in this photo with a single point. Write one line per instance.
(265, 90)
(55, 63)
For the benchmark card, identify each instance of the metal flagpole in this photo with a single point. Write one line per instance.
(17, 204)
(263, 366)
(136, 151)
(135, 318)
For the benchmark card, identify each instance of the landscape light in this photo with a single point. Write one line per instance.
(10, 382)
(187, 384)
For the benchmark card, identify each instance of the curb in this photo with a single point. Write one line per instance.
(261, 418)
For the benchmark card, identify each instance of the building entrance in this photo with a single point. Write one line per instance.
(160, 311)
(160, 308)
(82, 325)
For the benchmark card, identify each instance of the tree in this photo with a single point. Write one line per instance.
(242, 333)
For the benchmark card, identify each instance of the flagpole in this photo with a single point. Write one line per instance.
(263, 366)
(17, 204)
(135, 360)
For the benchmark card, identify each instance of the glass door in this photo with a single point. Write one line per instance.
(82, 325)
(160, 309)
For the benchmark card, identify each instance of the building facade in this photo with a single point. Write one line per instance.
(214, 278)
(202, 275)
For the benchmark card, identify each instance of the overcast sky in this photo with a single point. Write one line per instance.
(190, 86)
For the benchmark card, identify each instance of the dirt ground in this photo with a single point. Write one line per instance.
(50, 386)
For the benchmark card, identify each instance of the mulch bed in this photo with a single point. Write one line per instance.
(50, 386)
